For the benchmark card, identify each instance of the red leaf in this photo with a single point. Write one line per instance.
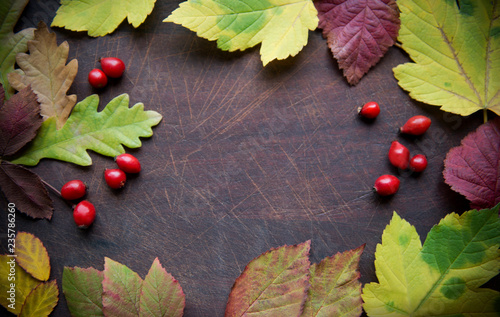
(19, 120)
(473, 168)
(359, 32)
(26, 190)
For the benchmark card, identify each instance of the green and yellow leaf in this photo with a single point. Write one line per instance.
(32, 256)
(82, 289)
(41, 301)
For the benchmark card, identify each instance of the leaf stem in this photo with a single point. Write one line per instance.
(485, 115)
(51, 187)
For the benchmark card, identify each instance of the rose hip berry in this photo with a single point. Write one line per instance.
(416, 125)
(370, 110)
(97, 78)
(73, 190)
(418, 163)
(399, 155)
(115, 178)
(84, 214)
(386, 185)
(128, 163)
(112, 66)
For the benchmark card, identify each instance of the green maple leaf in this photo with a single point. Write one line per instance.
(442, 277)
(100, 17)
(456, 49)
(282, 26)
(103, 132)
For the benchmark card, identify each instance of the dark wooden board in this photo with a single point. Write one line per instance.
(246, 158)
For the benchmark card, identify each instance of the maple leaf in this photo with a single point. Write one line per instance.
(359, 33)
(83, 291)
(32, 256)
(282, 26)
(100, 17)
(41, 301)
(473, 168)
(442, 277)
(10, 43)
(456, 49)
(45, 69)
(103, 132)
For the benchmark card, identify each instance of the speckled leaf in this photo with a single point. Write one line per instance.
(161, 294)
(121, 290)
(359, 33)
(473, 168)
(443, 277)
(273, 284)
(41, 301)
(335, 288)
(282, 26)
(32, 256)
(104, 132)
(82, 289)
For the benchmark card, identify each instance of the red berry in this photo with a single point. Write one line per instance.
(128, 163)
(386, 185)
(115, 178)
(399, 155)
(416, 125)
(97, 78)
(74, 189)
(418, 163)
(112, 66)
(84, 214)
(370, 110)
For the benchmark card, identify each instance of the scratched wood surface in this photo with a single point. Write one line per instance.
(247, 158)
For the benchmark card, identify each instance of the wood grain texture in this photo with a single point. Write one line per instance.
(245, 159)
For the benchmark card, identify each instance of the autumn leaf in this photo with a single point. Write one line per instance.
(41, 301)
(83, 291)
(10, 43)
(359, 33)
(442, 277)
(104, 132)
(455, 46)
(282, 26)
(45, 69)
(473, 168)
(335, 288)
(100, 17)
(32, 256)
(274, 284)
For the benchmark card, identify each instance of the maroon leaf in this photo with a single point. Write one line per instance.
(359, 32)
(473, 168)
(19, 120)
(26, 190)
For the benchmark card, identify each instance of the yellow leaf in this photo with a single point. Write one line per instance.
(32, 256)
(41, 301)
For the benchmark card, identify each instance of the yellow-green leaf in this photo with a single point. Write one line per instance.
(100, 17)
(282, 26)
(32, 256)
(455, 46)
(41, 301)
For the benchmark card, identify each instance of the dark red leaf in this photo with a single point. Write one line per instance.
(26, 190)
(19, 120)
(359, 32)
(473, 168)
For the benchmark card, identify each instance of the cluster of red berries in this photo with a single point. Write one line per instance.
(399, 155)
(111, 67)
(84, 212)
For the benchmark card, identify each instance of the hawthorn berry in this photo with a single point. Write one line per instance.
(97, 78)
(84, 214)
(418, 163)
(386, 185)
(128, 163)
(416, 125)
(112, 66)
(115, 178)
(73, 190)
(370, 110)
(399, 155)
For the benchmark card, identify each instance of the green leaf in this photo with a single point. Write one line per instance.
(32, 256)
(100, 17)
(41, 301)
(161, 294)
(456, 49)
(10, 43)
(443, 277)
(282, 26)
(83, 291)
(103, 132)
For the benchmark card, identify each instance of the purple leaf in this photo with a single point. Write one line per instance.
(359, 32)
(473, 168)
